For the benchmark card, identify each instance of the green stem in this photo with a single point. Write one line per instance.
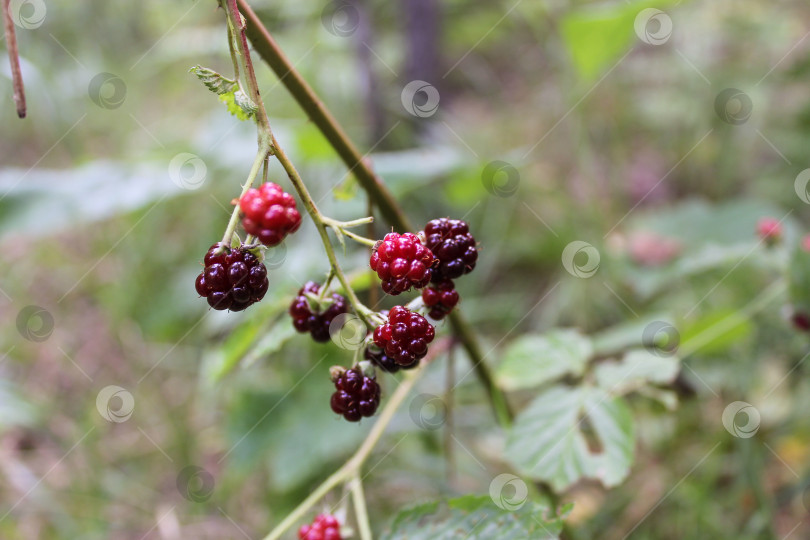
(254, 170)
(360, 510)
(354, 464)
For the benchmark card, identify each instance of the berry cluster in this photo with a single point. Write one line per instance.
(232, 279)
(269, 213)
(315, 322)
(405, 336)
(401, 261)
(325, 527)
(453, 245)
(356, 395)
(441, 298)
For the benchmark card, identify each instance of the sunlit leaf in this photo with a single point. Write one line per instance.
(534, 359)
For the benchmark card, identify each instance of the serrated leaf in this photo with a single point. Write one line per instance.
(534, 359)
(636, 369)
(238, 104)
(475, 517)
(547, 441)
(214, 81)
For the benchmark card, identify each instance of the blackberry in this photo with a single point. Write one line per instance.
(316, 323)
(269, 213)
(405, 336)
(453, 245)
(801, 321)
(385, 362)
(232, 279)
(402, 262)
(325, 527)
(441, 298)
(356, 395)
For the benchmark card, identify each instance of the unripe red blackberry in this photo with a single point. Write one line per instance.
(324, 527)
(441, 298)
(356, 395)
(402, 262)
(232, 279)
(770, 230)
(270, 214)
(405, 336)
(453, 245)
(315, 322)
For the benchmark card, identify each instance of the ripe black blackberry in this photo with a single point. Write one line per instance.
(441, 298)
(405, 336)
(453, 245)
(314, 322)
(401, 261)
(356, 395)
(232, 279)
(385, 362)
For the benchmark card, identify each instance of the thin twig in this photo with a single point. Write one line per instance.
(360, 510)
(14, 59)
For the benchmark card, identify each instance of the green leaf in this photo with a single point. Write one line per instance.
(624, 335)
(715, 331)
(597, 37)
(547, 441)
(239, 105)
(475, 517)
(534, 359)
(214, 81)
(638, 368)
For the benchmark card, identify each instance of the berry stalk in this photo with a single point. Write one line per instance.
(261, 155)
(267, 143)
(355, 463)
